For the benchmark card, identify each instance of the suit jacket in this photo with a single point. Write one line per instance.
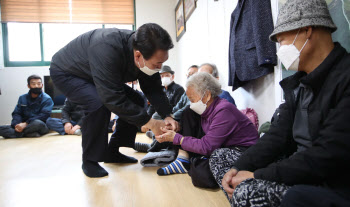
(251, 53)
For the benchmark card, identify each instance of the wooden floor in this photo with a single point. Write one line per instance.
(47, 172)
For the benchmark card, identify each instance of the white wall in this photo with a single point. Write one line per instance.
(207, 39)
(161, 12)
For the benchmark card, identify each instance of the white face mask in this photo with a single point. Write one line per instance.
(146, 69)
(199, 107)
(166, 81)
(290, 55)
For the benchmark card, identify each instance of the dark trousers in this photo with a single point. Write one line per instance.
(307, 195)
(191, 126)
(35, 126)
(97, 116)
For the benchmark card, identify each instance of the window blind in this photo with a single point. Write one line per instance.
(68, 11)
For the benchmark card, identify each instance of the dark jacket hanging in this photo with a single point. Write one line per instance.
(251, 53)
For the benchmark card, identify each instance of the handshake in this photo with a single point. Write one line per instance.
(164, 131)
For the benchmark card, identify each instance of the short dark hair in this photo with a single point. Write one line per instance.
(151, 37)
(33, 77)
(193, 66)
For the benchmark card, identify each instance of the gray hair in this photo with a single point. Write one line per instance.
(202, 82)
(215, 71)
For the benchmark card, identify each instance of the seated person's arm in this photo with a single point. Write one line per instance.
(17, 114)
(272, 145)
(178, 94)
(180, 106)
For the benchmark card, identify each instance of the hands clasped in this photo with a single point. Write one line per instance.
(233, 178)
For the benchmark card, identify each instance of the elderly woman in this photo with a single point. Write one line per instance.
(222, 125)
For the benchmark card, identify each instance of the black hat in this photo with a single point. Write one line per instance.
(166, 69)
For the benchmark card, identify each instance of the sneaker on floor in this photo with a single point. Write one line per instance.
(149, 134)
(33, 134)
(117, 157)
(77, 132)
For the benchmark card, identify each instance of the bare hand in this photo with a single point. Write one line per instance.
(20, 127)
(241, 176)
(75, 128)
(143, 129)
(226, 182)
(68, 128)
(155, 126)
(167, 136)
(171, 124)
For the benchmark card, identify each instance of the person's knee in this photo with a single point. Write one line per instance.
(294, 196)
(38, 123)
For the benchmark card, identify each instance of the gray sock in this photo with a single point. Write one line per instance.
(141, 147)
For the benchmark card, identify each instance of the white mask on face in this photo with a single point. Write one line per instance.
(146, 69)
(290, 55)
(199, 107)
(166, 81)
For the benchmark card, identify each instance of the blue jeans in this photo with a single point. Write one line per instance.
(56, 125)
(35, 126)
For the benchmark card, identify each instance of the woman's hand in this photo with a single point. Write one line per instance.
(167, 136)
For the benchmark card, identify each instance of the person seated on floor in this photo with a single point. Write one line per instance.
(31, 112)
(72, 115)
(303, 159)
(213, 70)
(177, 113)
(221, 125)
(173, 90)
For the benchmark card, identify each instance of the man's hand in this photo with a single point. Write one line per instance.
(68, 128)
(171, 124)
(155, 126)
(143, 129)
(75, 128)
(167, 136)
(241, 176)
(20, 127)
(226, 182)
